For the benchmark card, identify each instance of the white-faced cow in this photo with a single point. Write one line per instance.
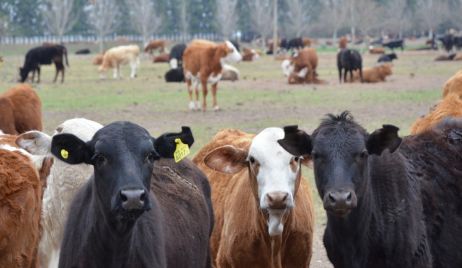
(389, 202)
(136, 210)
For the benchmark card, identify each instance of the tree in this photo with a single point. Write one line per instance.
(367, 15)
(432, 13)
(144, 18)
(299, 17)
(103, 18)
(261, 11)
(397, 16)
(58, 16)
(226, 16)
(334, 15)
(20, 15)
(183, 17)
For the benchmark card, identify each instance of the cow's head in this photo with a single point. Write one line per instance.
(228, 53)
(340, 149)
(274, 173)
(123, 155)
(23, 72)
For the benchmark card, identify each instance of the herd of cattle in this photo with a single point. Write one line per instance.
(114, 196)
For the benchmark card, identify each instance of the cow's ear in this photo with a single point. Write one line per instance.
(226, 159)
(383, 138)
(296, 141)
(35, 142)
(71, 149)
(166, 144)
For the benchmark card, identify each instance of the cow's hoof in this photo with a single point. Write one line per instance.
(192, 106)
(216, 108)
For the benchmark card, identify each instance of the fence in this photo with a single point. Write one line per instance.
(32, 40)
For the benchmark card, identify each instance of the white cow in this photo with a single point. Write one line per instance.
(121, 55)
(62, 184)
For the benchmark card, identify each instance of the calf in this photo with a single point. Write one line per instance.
(389, 202)
(303, 67)
(20, 109)
(262, 204)
(121, 55)
(62, 184)
(22, 178)
(155, 45)
(133, 211)
(249, 54)
(387, 58)
(44, 55)
(349, 60)
(374, 74)
(203, 63)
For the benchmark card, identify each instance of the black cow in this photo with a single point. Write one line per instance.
(294, 43)
(176, 56)
(137, 210)
(44, 55)
(83, 51)
(388, 57)
(447, 41)
(174, 75)
(398, 43)
(389, 202)
(349, 60)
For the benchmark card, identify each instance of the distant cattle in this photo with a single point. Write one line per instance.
(262, 204)
(230, 73)
(155, 45)
(164, 57)
(249, 54)
(376, 50)
(121, 55)
(447, 57)
(398, 43)
(343, 42)
(44, 55)
(390, 202)
(447, 41)
(22, 178)
(62, 184)
(176, 56)
(174, 75)
(20, 109)
(349, 60)
(387, 57)
(83, 51)
(374, 74)
(136, 210)
(203, 63)
(303, 66)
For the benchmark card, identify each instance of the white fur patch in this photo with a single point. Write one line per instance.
(287, 68)
(173, 63)
(302, 73)
(214, 78)
(37, 160)
(275, 226)
(234, 56)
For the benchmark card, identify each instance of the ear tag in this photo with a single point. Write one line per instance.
(181, 151)
(64, 154)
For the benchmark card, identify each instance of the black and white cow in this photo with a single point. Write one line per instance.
(137, 209)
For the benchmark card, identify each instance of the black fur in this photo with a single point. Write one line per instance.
(177, 52)
(173, 226)
(174, 75)
(44, 55)
(349, 60)
(388, 57)
(398, 43)
(83, 51)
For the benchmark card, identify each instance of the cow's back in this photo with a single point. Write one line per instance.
(184, 195)
(196, 55)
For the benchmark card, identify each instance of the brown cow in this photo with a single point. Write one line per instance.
(22, 179)
(453, 85)
(374, 74)
(343, 42)
(203, 63)
(262, 204)
(450, 106)
(307, 42)
(20, 110)
(302, 67)
(249, 54)
(155, 45)
(164, 57)
(376, 50)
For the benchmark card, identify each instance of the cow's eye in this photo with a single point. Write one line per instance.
(296, 158)
(252, 160)
(99, 159)
(151, 157)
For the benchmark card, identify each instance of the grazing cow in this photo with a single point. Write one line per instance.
(398, 43)
(374, 74)
(98, 59)
(174, 75)
(203, 63)
(121, 55)
(63, 183)
(155, 45)
(262, 204)
(387, 58)
(453, 85)
(376, 50)
(249, 54)
(44, 55)
(22, 178)
(83, 51)
(349, 60)
(133, 211)
(229, 73)
(164, 57)
(176, 56)
(20, 110)
(449, 106)
(447, 41)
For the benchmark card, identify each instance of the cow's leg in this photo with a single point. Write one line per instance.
(62, 74)
(38, 74)
(196, 93)
(361, 74)
(133, 69)
(115, 72)
(33, 75)
(190, 93)
(204, 94)
(351, 75)
(214, 97)
(345, 76)
(340, 74)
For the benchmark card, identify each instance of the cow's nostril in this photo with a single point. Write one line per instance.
(143, 196)
(331, 197)
(348, 199)
(123, 197)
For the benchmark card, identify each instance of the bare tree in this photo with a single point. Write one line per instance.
(334, 14)
(397, 16)
(367, 15)
(183, 16)
(432, 13)
(261, 17)
(144, 18)
(227, 16)
(103, 17)
(299, 17)
(58, 16)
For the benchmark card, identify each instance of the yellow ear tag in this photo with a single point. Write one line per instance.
(64, 153)
(181, 151)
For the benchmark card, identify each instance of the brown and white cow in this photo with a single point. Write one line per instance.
(249, 54)
(155, 45)
(203, 63)
(262, 204)
(22, 179)
(301, 67)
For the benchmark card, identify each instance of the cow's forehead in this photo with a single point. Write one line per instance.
(265, 146)
(80, 127)
(118, 133)
(230, 45)
(338, 139)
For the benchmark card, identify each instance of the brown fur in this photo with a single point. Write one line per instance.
(164, 57)
(376, 50)
(450, 106)
(453, 85)
(343, 42)
(306, 58)
(240, 237)
(375, 74)
(247, 54)
(20, 110)
(307, 42)
(98, 59)
(458, 57)
(154, 45)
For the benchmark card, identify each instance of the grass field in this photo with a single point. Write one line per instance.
(262, 98)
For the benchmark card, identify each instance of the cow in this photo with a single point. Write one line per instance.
(83, 51)
(44, 55)
(174, 75)
(155, 45)
(63, 183)
(374, 74)
(20, 109)
(133, 211)
(349, 60)
(387, 58)
(263, 208)
(249, 54)
(447, 41)
(230, 73)
(449, 106)
(176, 56)
(163, 57)
(390, 202)
(453, 85)
(376, 50)
(121, 55)
(98, 59)
(398, 43)
(343, 43)
(448, 57)
(203, 63)
(22, 179)
(302, 67)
